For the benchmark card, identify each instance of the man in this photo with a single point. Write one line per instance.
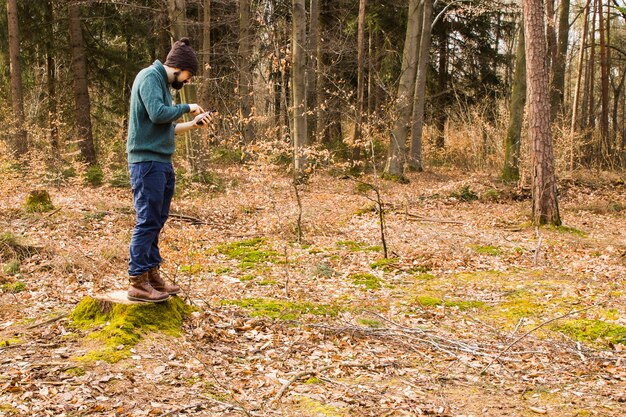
(150, 146)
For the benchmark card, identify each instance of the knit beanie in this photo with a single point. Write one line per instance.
(182, 56)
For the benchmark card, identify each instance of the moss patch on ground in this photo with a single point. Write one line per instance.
(386, 264)
(122, 326)
(592, 331)
(283, 310)
(430, 301)
(486, 250)
(310, 407)
(13, 287)
(368, 281)
(39, 201)
(353, 246)
(249, 253)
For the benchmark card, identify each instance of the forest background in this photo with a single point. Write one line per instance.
(357, 233)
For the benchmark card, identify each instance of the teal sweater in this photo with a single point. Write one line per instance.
(150, 125)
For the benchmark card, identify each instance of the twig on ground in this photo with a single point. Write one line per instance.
(52, 320)
(531, 331)
(430, 219)
(178, 410)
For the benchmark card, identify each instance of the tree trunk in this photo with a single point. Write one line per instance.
(53, 123)
(404, 98)
(550, 32)
(177, 12)
(545, 205)
(19, 145)
(581, 55)
(300, 140)
(442, 81)
(557, 88)
(245, 73)
(82, 102)
(312, 74)
(415, 156)
(605, 144)
(512, 144)
(205, 56)
(360, 96)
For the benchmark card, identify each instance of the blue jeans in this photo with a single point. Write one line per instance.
(153, 187)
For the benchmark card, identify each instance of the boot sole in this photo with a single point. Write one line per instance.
(143, 300)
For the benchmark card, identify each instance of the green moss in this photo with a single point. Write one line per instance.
(386, 264)
(249, 252)
(191, 269)
(9, 410)
(519, 305)
(10, 342)
(569, 230)
(266, 282)
(39, 201)
(223, 270)
(400, 179)
(284, 310)
(369, 281)
(313, 407)
(366, 209)
(424, 276)
(246, 278)
(587, 330)
(357, 246)
(486, 250)
(313, 380)
(123, 326)
(12, 267)
(226, 155)
(14, 287)
(428, 301)
(466, 304)
(75, 371)
(371, 323)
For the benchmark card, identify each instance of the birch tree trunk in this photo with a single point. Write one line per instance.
(298, 40)
(512, 143)
(82, 103)
(417, 127)
(312, 74)
(19, 145)
(404, 97)
(545, 205)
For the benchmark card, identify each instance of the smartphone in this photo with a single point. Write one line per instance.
(207, 113)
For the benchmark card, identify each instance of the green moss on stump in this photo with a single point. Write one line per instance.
(39, 201)
(121, 326)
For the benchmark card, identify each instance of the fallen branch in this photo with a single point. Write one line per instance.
(52, 320)
(430, 219)
(533, 330)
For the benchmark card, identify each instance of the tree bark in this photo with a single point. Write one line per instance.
(557, 88)
(417, 127)
(298, 41)
(512, 144)
(550, 32)
(53, 123)
(19, 145)
(177, 12)
(404, 97)
(581, 56)
(605, 144)
(545, 205)
(245, 73)
(360, 96)
(82, 103)
(312, 73)
(205, 56)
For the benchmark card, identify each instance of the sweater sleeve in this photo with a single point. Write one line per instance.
(159, 111)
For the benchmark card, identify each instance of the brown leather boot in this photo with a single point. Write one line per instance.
(159, 284)
(141, 290)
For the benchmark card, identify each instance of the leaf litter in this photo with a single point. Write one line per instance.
(471, 317)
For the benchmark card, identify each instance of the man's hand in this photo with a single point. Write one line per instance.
(195, 109)
(203, 119)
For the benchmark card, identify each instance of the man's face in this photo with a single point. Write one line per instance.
(181, 78)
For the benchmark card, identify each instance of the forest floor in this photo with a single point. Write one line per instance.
(474, 313)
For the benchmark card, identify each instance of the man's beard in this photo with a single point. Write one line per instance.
(176, 84)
